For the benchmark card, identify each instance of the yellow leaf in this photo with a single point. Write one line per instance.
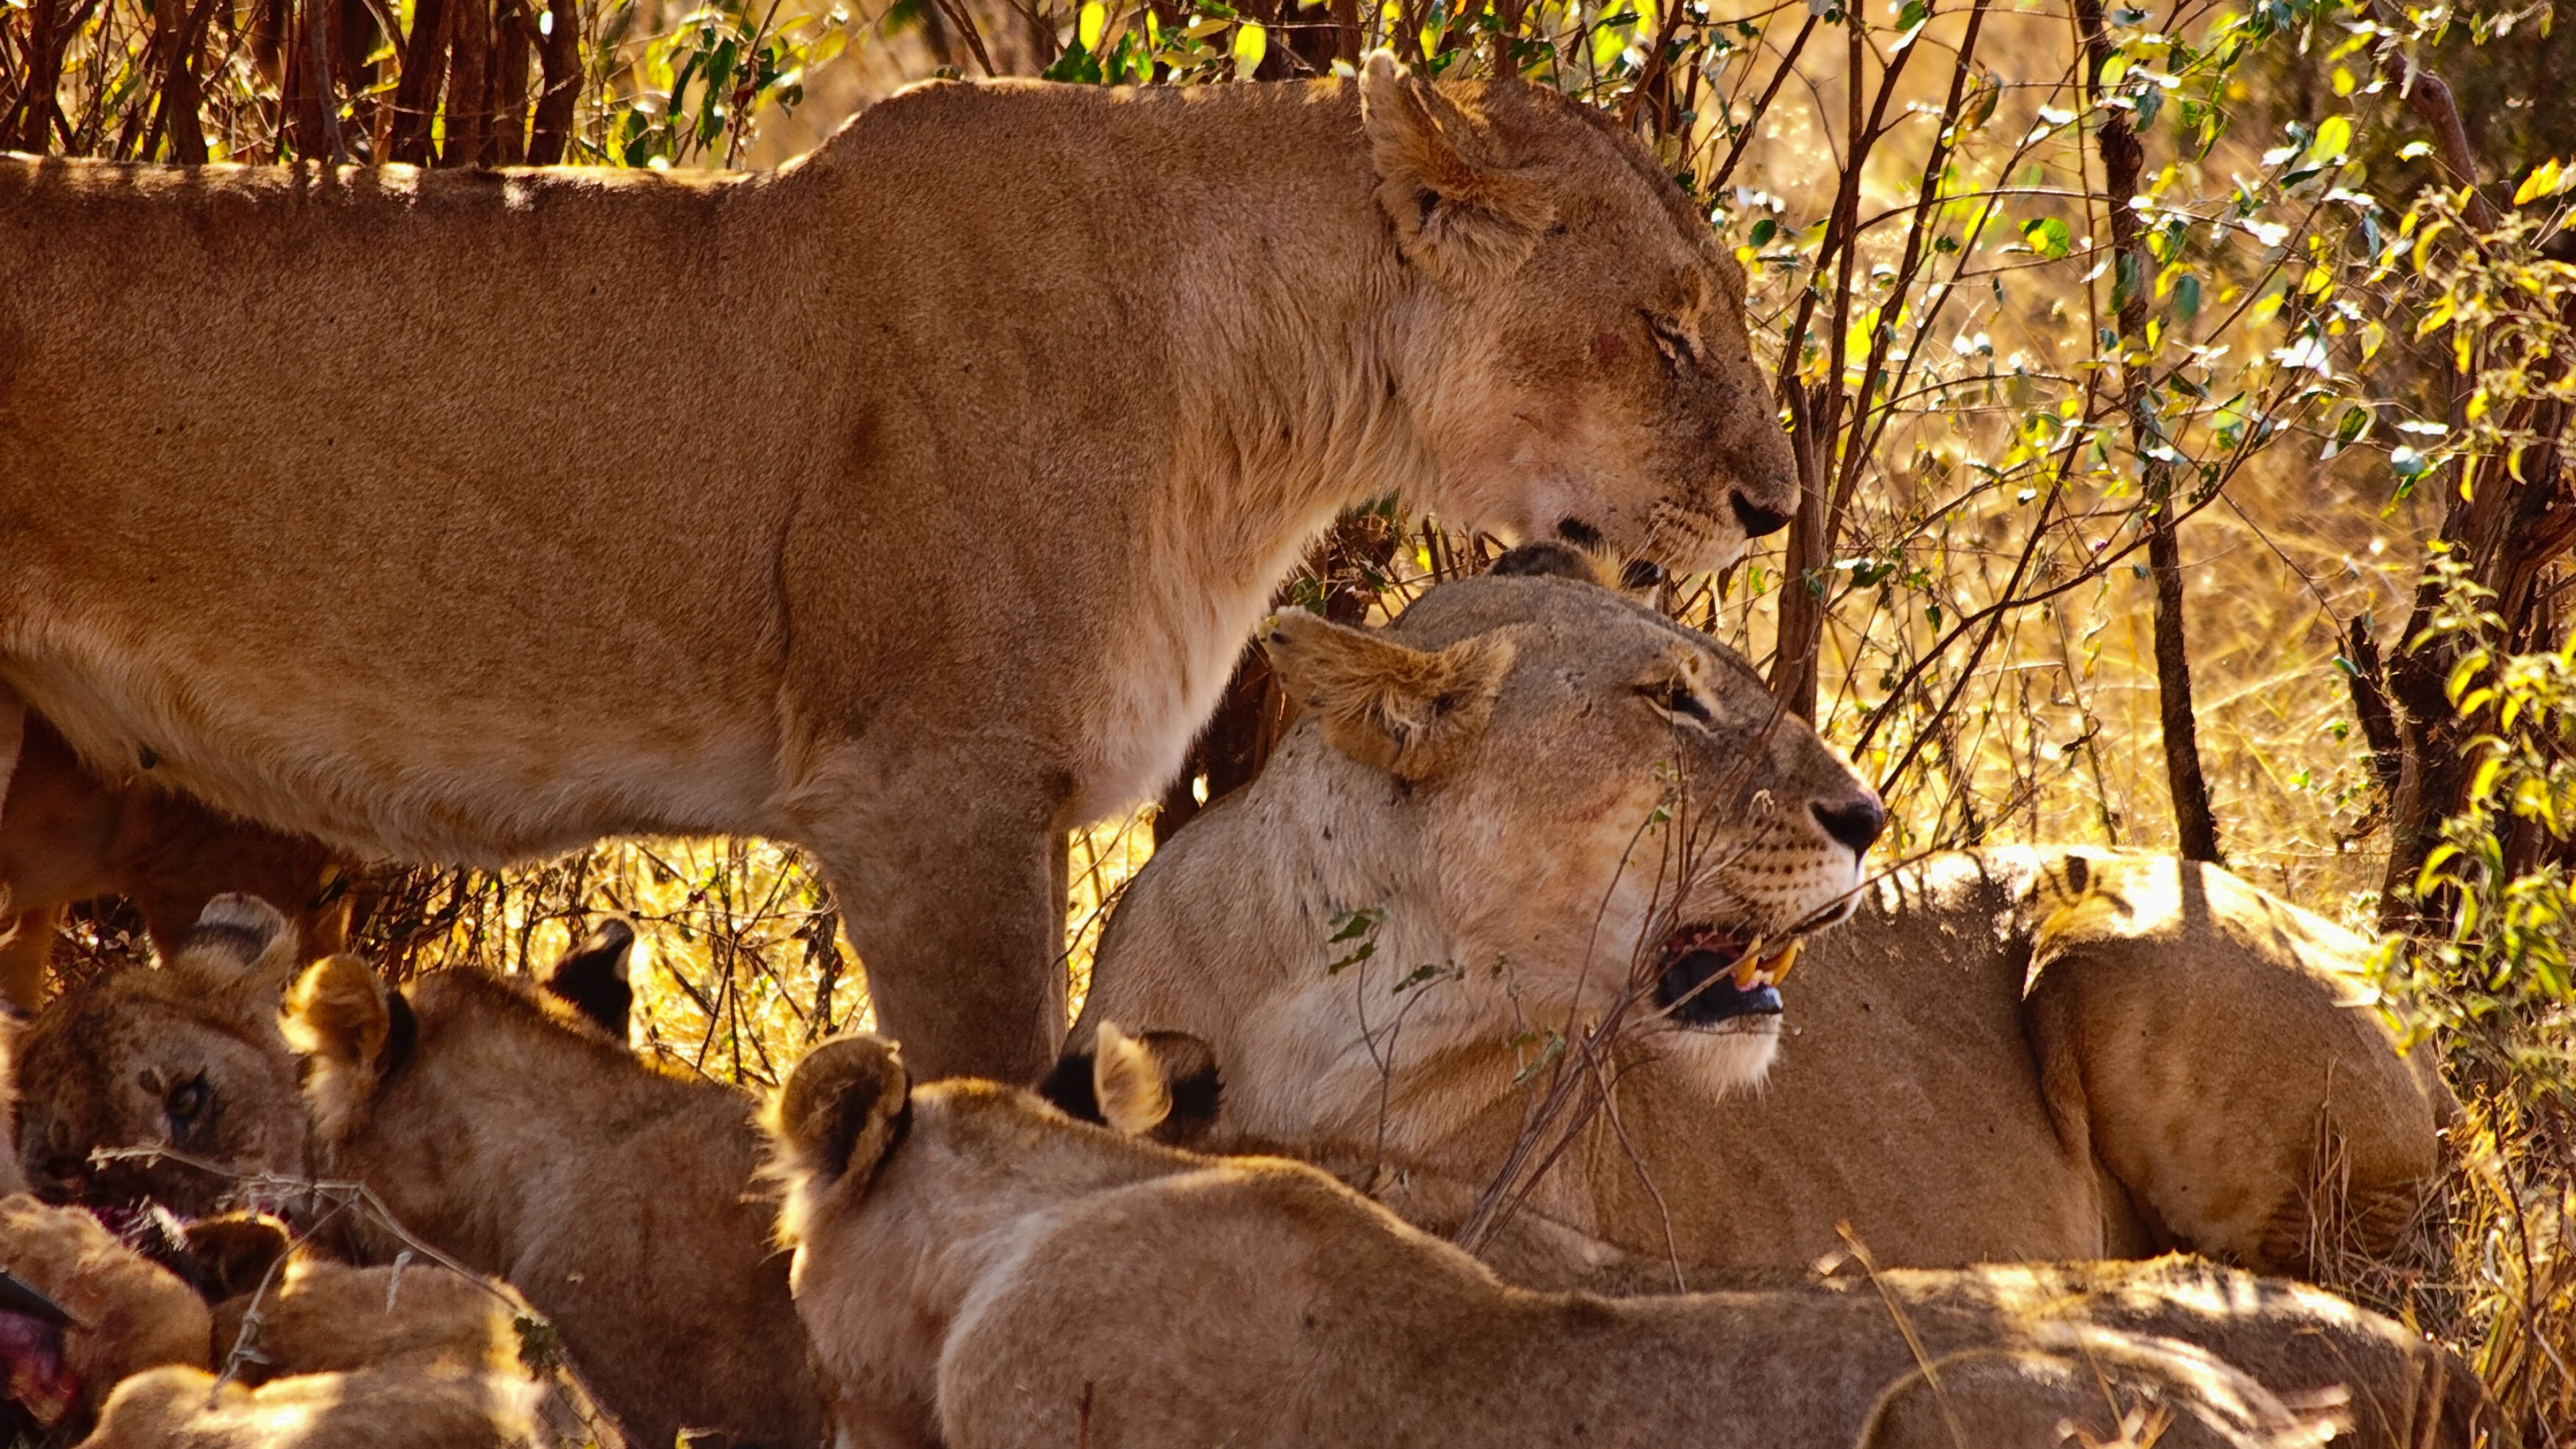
(1251, 43)
(2542, 181)
(1095, 20)
(2334, 139)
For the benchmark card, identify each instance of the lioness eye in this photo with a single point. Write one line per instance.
(1671, 341)
(188, 1101)
(1675, 696)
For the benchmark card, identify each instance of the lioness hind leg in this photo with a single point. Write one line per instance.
(25, 950)
(957, 910)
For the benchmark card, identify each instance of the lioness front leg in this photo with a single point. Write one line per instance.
(956, 906)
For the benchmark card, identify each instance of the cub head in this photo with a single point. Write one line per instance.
(186, 1056)
(845, 1107)
(1583, 368)
(1563, 794)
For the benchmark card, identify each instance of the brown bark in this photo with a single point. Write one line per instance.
(560, 57)
(23, 129)
(1346, 32)
(2123, 157)
(469, 101)
(416, 91)
(178, 112)
(317, 99)
(513, 38)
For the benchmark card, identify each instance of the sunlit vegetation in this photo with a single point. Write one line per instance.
(2181, 430)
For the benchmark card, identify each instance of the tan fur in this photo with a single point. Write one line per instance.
(1003, 1276)
(1134, 418)
(513, 1135)
(2184, 1044)
(66, 836)
(176, 1408)
(128, 1313)
(319, 1316)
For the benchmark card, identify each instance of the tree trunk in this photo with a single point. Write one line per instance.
(561, 58)
(424, 65)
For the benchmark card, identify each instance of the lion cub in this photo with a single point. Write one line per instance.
(324, 1355)
(978, 1270)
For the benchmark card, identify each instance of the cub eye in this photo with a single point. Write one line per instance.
(1675, 696)
(187, 1101)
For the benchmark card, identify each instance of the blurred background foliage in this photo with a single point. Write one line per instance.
(2179, 391)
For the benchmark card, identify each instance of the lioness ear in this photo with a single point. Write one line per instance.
(1158, 1083)
(592, 979)
(238, 937)
(844, 1107)
(1406, 711)
(343, 1019)
(1456, 210)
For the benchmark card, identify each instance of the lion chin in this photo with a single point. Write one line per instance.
(1729, 1058)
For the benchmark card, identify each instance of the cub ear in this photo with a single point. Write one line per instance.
(343, 1019)
(1162, 1084)
(592, 977)
(237, 936)
(233, 1253)
(844, 1107)
(1457, 212)
(1406, 711)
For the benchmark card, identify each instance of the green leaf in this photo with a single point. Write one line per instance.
(2048, 237)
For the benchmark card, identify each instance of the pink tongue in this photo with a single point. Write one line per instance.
(39, 1380)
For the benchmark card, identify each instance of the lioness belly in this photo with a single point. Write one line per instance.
(304, 512)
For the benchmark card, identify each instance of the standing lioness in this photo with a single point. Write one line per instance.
(909, 502)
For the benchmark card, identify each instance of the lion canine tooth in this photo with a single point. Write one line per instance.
(1779, 965)
(1748, 970)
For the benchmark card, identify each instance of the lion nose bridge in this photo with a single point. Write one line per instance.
(1856, 822)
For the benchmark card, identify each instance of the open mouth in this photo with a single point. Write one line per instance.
(1713, 977)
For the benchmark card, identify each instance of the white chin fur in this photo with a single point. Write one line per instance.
(1725, 1062)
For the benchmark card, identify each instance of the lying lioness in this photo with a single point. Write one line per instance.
(979, 1271)
(958, 555)
(500, 1126)
(2007, 1054)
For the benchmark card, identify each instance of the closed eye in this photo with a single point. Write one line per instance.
(1673, 341)
(1675, 697)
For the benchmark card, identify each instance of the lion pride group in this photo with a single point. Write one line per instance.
(1448, 1084)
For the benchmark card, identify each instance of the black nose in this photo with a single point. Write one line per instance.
(1855, 823)
(1758, 520)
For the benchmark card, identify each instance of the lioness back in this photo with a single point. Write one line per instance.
(377, 493)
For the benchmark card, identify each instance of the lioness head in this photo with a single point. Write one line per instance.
(1615, 397)
(1559, 793)
(186, 1057)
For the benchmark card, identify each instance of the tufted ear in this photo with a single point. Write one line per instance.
(238, 938)
(345, 1021)
(1406, 711)
(1162, 1084)
(1457, 211)
(592, 977)
(844, 1107)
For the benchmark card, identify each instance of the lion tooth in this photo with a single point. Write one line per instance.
(1779, 965)
(1748, 972)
